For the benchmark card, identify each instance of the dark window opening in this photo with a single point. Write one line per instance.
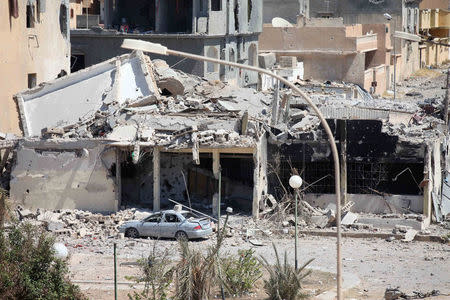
(14, 8)
(369, 60)
(32, 80)
(139, 16)
(77, 62)
(63, 20)
(249, 10)
(136, 180)
(216, 5)
(236, 16)
(179, 16)
(390, 178)
(30, 16)
(370, 176)
(237, 181)
(72, 13)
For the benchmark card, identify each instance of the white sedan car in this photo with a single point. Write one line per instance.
(169, 224)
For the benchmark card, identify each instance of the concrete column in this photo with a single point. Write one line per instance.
(216, 172)
(157, 16)
(118, 178)
(428, 187)
(342, 125)
(156, 179)
(195, 8)
(256, 184)
(108, 18)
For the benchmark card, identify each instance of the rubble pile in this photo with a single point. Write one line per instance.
(188, 112)
(77, 223)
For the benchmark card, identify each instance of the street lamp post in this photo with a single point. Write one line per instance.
(389, 18)
(162, 50)
(296, 182)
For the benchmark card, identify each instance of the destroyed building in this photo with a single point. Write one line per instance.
(117, 140)
(215, 28)
(35, 47)
(405, 18)
(358, 53)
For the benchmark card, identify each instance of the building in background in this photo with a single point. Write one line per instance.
(332, 51)
(434, 26)
(215, 28)
(35, 47)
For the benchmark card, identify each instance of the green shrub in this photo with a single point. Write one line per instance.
(196, 272)
(284, 281)
(29, 268)
(156, 274)
(240, 274)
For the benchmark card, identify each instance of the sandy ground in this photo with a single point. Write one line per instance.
(370, 265)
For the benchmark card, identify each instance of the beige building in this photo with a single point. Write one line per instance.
(333, 51)
(35, 47)
(435, 26)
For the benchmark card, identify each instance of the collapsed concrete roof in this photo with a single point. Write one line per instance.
(131, 99)
(80, 95)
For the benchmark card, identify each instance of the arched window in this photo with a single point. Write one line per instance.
(213, 53)
(252, 55)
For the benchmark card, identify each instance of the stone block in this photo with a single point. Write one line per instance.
(55, 225)
(349, 218)
(267, 60)
(319, 221)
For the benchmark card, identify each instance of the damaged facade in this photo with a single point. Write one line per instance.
(435, 27)
(143, 133)
(405, 18)
(215, 28)
(359, 53)
(34, 48)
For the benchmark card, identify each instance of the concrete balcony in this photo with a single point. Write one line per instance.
(367, 43)
(434, 18)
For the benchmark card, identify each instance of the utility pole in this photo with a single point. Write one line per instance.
(447, 94)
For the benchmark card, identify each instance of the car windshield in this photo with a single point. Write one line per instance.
(189, 215)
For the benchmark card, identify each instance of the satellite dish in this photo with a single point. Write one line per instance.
(280, 22)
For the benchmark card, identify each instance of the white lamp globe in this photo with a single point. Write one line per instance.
(60, 250)
(295, 181)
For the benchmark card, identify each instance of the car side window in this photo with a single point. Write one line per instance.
(154, 219)
(172, 218)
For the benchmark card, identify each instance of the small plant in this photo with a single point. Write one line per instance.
(157, 275)
(29, 268)
(284, 281)
(240, 274)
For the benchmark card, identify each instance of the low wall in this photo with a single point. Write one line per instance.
(369, 203)
(75, 178)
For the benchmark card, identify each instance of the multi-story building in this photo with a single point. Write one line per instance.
(435, 26)
(330, 50)
(216, 28)
(35, 47)
(405, 18)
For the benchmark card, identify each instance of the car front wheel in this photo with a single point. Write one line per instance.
(132, 233)
(181, 235)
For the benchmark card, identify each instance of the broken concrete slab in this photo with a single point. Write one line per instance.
(410, 235)
(349, 218)
(267, 60)
(319, 221)
(55, 225)
(80, 95)
(123, 133)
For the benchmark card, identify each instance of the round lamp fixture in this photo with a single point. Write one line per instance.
(295, 181)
